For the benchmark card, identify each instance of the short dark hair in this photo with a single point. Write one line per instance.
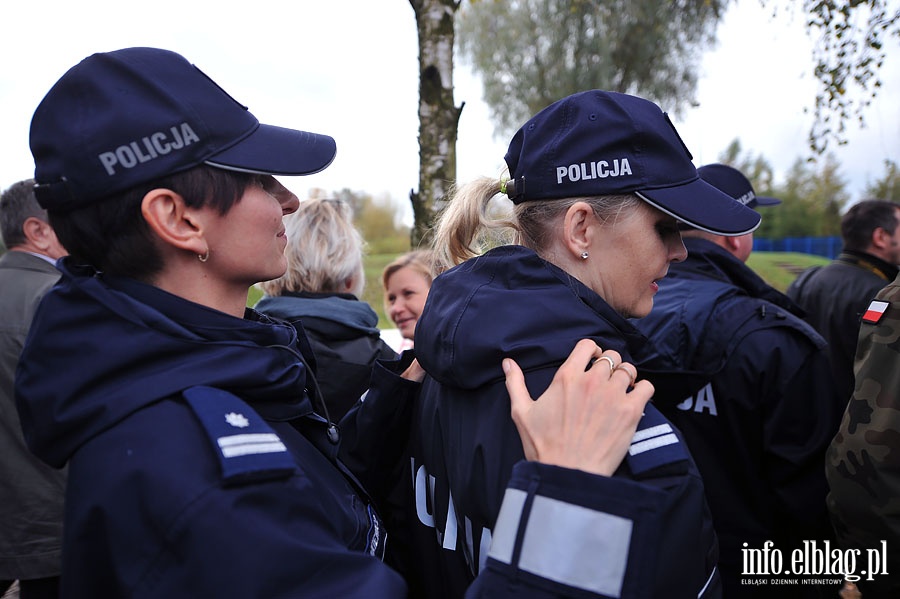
(861, 220)
(112, 235)
(18, 204)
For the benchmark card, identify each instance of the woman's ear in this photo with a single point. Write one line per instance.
(173, 221)
(578, 228)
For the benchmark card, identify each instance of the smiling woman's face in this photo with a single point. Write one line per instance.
(247, 243)
(405, 294)
(628, 257)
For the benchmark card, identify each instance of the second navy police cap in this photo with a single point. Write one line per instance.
(734, 183)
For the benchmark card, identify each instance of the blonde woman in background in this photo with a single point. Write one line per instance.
(321, 288)
(407, 281)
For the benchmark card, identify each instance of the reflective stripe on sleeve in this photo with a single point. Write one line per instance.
(570, 544)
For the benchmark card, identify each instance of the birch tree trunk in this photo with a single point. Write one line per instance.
(438, 116)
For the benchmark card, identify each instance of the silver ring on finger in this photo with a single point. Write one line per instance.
(627, 371)
(612, 365)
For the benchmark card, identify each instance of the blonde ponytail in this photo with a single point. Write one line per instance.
(466, 228)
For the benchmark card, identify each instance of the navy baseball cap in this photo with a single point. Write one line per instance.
(123, 118)
(604, 143)
(734, 183)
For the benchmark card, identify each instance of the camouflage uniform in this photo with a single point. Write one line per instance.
(863, 461)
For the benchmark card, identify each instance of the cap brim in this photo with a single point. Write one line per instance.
(271, 150)
(766, 201)
(703, 207)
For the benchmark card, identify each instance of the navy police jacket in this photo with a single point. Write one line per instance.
(511, 303)
(198, 466)
(749, 385)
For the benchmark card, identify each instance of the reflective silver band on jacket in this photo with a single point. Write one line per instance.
(564, 542)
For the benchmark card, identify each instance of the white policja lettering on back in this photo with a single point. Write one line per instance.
(424, 488)
(149, 147)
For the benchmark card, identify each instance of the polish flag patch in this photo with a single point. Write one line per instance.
(875, 311)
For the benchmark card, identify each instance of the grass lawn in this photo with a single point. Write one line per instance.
(779, 269)
(374, 292)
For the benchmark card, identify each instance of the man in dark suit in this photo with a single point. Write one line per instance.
(31, 493)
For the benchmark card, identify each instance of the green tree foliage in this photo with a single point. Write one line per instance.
(848, 55)
(531, 53)
(812, 200)
(888, 187)
(812, 196)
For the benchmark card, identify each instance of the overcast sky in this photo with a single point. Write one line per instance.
(349, 68)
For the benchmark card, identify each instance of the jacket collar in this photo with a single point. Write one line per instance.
(104, 347)
(707, 259)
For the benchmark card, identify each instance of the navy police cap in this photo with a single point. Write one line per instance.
(120, 119)
(734, 183)
(605, 143)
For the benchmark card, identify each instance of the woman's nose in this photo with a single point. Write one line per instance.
(289, 204)
(678, 252)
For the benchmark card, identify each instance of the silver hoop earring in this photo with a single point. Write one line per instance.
(584, 255)
(203, 257)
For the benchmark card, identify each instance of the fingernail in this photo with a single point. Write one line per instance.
(505, 365)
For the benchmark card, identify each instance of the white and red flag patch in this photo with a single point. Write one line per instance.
(875, 311)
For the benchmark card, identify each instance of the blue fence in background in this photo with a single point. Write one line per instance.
(829, 247)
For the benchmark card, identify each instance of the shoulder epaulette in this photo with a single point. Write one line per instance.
(247, 447)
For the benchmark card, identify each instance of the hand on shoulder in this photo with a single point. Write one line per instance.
(587, 417)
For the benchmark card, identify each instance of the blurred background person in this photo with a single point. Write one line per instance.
(31, 492)
(836, 295)
(321, 287)
(748, 383)
(406, 282)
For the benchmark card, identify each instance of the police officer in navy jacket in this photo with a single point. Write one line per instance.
(748, 383)
(599, 182)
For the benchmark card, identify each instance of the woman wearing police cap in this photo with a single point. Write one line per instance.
(599, 182)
